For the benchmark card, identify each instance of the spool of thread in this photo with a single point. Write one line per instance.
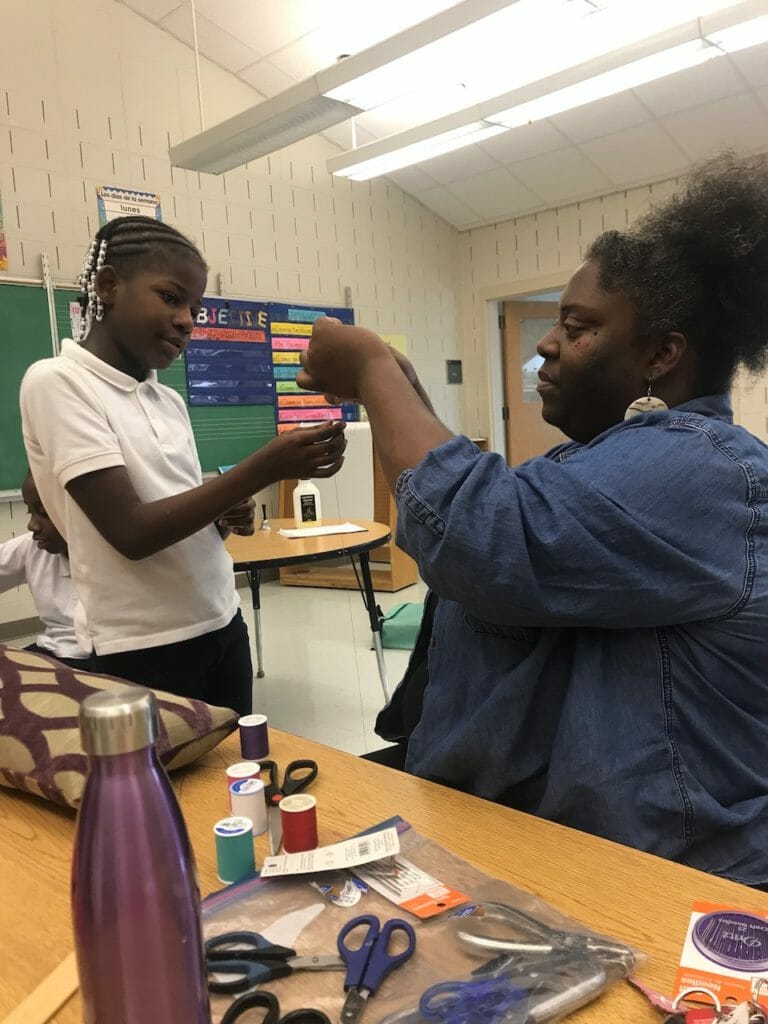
(298, 815)
(242, 770)
(254, 736)
(247, 800)
(234, 849)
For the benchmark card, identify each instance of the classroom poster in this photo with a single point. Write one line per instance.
(290, 329)
(229, 359)
(126, 202)
(3, 246)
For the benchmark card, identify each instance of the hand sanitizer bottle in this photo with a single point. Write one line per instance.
(135, 901)
(306, 504)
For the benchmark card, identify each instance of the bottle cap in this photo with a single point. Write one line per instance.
(118, 721)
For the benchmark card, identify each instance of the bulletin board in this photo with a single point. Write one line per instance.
(225, 433)
(290, 328)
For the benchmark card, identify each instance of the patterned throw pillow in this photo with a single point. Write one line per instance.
(40, 749)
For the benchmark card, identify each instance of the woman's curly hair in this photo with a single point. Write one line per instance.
(698, 264)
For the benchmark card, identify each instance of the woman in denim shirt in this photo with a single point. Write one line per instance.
(599, 652)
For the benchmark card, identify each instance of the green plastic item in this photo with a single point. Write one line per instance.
(400, 626)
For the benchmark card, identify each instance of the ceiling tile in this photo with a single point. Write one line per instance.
(642, 153)
(264, 76)
(461, 164)
(495, 194)
(446, 205)
(602, 117)
(412, 179)
(704, 84)
(154, 10)
(264, 24)
(561, 176)
(752, 63)
(739, 122)
(526, 141)
(218, 45)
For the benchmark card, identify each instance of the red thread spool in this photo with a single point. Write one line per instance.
(298, 815)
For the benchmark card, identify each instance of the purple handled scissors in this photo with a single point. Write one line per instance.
(369, 963)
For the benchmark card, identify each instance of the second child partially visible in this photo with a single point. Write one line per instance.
(115, 462)
(39, 559)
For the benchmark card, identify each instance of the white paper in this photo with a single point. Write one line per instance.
(361, 850)
(322, 531)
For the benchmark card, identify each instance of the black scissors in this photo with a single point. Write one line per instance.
(248, 959)
(293, 782)
(260, 998)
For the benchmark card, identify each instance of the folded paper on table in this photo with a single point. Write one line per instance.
(322, 531)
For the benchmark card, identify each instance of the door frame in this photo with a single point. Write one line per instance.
(493, 296)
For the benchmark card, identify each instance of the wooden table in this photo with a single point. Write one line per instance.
(633, 896)
(267, 549)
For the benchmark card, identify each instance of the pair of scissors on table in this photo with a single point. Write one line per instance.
(369, 963)
(293, 782)
(258, 998)
(247, 959)
(512, 934)
(538, 973)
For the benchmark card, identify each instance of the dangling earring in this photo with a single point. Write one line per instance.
(646, 403)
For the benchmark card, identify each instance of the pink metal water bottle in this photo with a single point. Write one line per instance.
(135, 900)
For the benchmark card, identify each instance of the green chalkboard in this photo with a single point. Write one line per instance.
(25, 336)
(223, 435)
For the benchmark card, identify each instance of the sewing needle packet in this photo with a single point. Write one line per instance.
(726, 951)
(361, 850)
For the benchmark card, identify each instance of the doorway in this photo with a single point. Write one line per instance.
(525, 320)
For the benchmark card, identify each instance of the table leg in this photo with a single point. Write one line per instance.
(374, 617)
(254, 579)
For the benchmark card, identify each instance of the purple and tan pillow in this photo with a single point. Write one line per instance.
(40, 749)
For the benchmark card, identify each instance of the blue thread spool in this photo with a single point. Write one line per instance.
(234, 849)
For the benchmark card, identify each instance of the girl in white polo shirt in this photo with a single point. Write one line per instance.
(114, 459)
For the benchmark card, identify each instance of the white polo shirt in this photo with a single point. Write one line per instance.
(79, 414)
(50, 582)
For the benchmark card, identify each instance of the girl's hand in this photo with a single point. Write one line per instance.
(238, 519)
(316, 451)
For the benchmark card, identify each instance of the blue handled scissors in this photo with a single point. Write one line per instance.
(247, 959)
(369, 963)
(491, 1000)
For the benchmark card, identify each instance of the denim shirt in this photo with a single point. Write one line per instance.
(600, 648)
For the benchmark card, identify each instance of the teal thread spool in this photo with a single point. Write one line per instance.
(234, 849)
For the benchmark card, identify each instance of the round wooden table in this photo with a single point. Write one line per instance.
(267, 549)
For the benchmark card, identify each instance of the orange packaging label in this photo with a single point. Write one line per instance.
(408, 887)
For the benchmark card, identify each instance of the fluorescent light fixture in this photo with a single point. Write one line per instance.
(321, 101)
(740, 37)
(290, 116)
(628, 76)
(684, 47)
(420, 148)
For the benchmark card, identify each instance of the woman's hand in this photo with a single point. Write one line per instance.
(316, 451)
(337, 356)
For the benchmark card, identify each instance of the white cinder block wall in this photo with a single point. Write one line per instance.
(91, 94)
